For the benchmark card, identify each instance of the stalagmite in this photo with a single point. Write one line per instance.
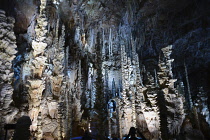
(171, 96)
(7, 55)
(37, 64)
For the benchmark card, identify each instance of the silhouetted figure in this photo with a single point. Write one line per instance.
(132, 134)
(22, 131)
(86, 136)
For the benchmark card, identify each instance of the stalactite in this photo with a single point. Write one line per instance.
(103, 47)
(110, 43)
(92, 41)
(189, 98)
(113, 88)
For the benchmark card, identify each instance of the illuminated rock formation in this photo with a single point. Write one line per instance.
(7, 54)
(37, 64)
(106, 66)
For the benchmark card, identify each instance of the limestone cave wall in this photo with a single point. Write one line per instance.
(106, 66)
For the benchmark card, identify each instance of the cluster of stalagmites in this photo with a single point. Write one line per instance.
(55, 80)
(7, 55)
(49, 89)
(36, 80)
(43, 76)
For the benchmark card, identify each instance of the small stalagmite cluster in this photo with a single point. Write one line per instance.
(105, 66)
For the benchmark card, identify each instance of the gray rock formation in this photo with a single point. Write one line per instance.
(106, 66)
(7, 54)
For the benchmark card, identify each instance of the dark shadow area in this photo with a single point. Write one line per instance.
(22, 131)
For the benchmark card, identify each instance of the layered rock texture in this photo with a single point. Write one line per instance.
(106, 66)
(7, 46)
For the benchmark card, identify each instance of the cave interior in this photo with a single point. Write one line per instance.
(103, 66)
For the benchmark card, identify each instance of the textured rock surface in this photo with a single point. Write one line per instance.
(7, 54)
(85, 64)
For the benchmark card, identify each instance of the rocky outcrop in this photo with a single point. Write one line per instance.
(7, 54)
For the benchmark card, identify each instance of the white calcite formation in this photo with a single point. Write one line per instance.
(36, 80)
(45, 78)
